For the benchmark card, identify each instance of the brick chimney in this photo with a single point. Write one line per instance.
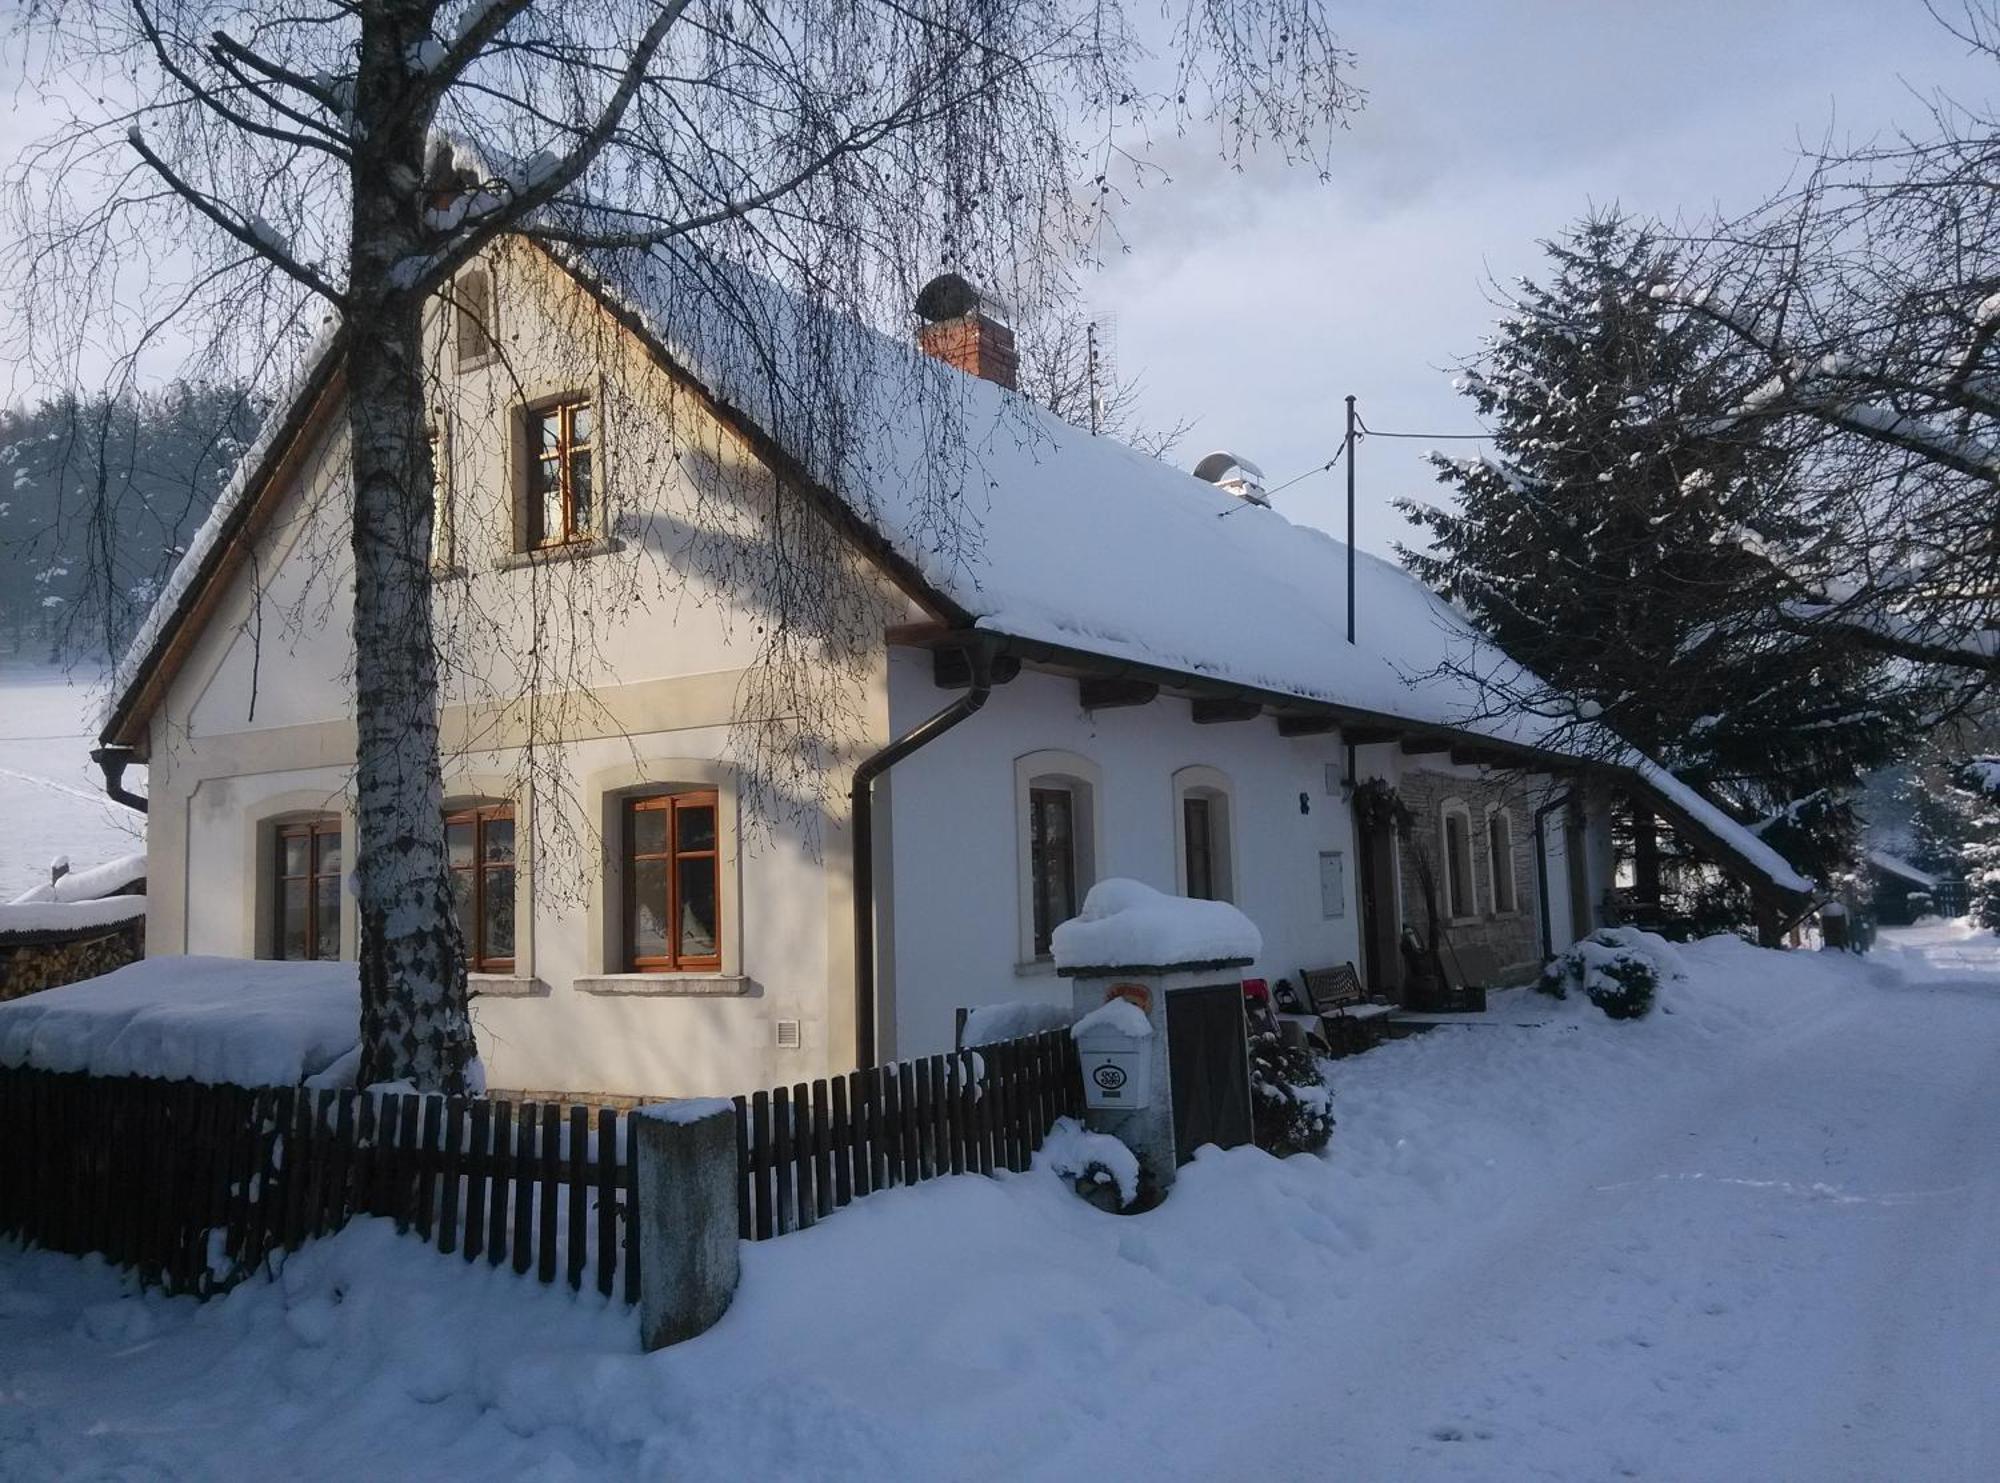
(958, 331)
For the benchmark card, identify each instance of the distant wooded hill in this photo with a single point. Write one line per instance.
(98, 497)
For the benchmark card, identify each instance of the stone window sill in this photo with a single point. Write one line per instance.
(1036, 968)
(668, 985)
(568, 551)
(504, 986)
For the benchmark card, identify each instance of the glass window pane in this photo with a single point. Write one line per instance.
(1200, 860)
(458, 843)
(499, 924)
(649, 909)
(297, 850)
(581, 502)
(697, 882)
(326, 935)
(649, 831)
(292, 938)
(499, 841)
(462, 904)
(580, 423)
(696, 826)
(328, 845)
(544, 433)
(551, 527)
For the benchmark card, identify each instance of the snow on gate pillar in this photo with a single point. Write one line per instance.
(688, 1258)
(1126, 953)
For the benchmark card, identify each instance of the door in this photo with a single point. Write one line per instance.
(1208, 1057)
(1382, 963)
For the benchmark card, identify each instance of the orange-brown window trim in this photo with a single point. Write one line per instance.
(682, 866)
(561, 486)
(317, 877)
(480, 876)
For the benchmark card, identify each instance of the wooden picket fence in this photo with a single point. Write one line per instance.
(807, 1151)
(194, 1186)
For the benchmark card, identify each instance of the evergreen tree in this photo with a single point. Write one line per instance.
(98, 497)
(1611, 542)
(1977, 785)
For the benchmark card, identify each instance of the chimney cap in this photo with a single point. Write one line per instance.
(1235, 475)
(947, 296)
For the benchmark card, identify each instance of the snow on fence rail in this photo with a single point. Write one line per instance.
(194, 1186)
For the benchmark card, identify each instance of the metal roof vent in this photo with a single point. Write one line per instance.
(1238, 476)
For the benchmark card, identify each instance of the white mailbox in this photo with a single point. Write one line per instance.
(1114, 1046)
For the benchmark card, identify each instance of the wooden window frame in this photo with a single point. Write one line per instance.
(563, 410)
(479, 816)
(312, 831)
(1459, 906)
(1500, 863)
(1040, 932)
(671, 803)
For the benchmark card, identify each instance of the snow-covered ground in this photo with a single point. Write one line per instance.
(1752, 1238)
(51, 795)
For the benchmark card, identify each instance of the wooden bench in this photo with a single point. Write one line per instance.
(1348, 1021)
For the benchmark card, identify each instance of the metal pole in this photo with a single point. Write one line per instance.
(1350, 519)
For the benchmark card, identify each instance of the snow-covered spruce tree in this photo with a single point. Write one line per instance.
(1978, 786)
(1610, 540)
(235, 172)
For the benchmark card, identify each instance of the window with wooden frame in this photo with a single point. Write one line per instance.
(1459, 901)
(473, 341)
(1206, 866)
(673, 883)
(1052, 868)
(440, 499)
(307, 898)
(1500, 859)
(479, 847)
(561, 495)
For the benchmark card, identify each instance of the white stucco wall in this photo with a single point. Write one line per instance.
(953, 854)
(258, 726)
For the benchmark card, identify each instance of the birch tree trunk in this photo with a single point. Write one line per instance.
(414, 1021)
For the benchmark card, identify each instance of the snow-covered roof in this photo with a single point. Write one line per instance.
(1030, 528)
(37, 921)
(1896, 865)
(108, 879)
(250, 1022)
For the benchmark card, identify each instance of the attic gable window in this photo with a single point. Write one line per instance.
(561, 493)
(472, 318)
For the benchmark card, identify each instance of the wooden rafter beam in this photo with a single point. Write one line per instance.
(1210, 711)
(1306, 725)
(1108, 692)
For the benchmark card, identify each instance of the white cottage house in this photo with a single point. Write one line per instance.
(1056, 660)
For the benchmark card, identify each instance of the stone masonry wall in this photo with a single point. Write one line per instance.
(1493, 950)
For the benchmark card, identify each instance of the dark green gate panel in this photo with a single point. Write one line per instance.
(1208, 1058)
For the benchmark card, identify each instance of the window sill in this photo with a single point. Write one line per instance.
(567, 551)
(1036, 968)
(504, 986)
(667, 985)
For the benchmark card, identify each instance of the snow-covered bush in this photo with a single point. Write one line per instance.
(1102, 1169)
(1619, 969)
(1291, 1105)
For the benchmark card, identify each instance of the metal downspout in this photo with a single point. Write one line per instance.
(1542, 870)
(861, 816)
(113, 761)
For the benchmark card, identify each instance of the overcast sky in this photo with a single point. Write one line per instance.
(1253, 303)
(1256, 305)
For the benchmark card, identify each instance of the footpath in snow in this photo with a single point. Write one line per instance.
(1752, 1238)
